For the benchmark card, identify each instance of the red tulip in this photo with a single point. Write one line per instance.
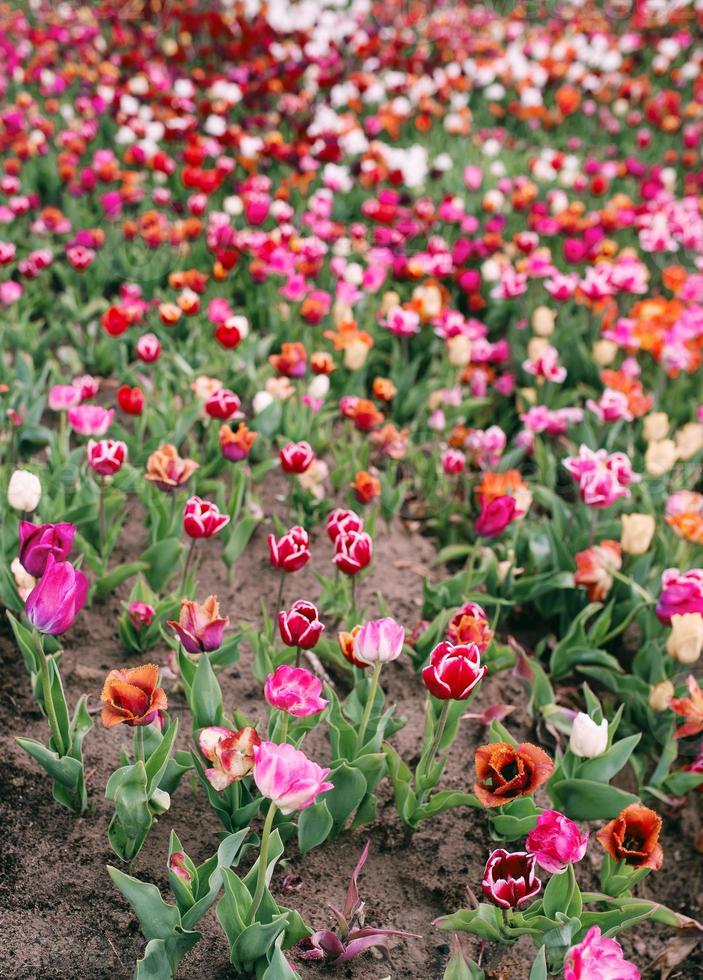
(509, 880)
(296, 457)
(202, 519)
(353, 552)
(130, 400)
(300, 625)
(453, 672)
(106, 456)
(290, 552)
(341, 521)
(222, 404)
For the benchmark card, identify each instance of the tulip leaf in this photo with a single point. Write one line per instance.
(445, 800)
(486, 922)
(226, 854)
(64, 769)
(583, 799)
(348, 792)
(107, 584)
(206, 696)
(158, 919)
(605, 766)
(460, 968)
(156, 764)
(256, 940)
(161, 957)
(314, 826)
(539, 966)
(161, 561)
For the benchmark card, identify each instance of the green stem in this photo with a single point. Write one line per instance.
(639, 589)
(186, 566)
(49, 702)
(101, 518)
(139, 749)
(368, 707)
(434, 748)
(263, 862)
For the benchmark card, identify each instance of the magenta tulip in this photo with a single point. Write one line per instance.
(295, 691)
(287, 777)
(38, 541)
(57, 598)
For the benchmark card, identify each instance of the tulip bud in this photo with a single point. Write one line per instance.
(604, 352)
(689, 440)
(588, 739)
(656, 426)
(459, 351)
(379, 640)
(660, 695)
(543, 321)
(24, 491)
(261, 401)
(686, 638)
(660, 457)
(637, 533)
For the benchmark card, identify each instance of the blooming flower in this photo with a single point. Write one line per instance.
(594, 568)
(38, 541)
(90, 420)
(300, 625)
(296, 457)
(202, 519)
(353, 551)
(504, 771)
(690, 709)
(379, 640)
(57, 598)
(598, 958)
(287, 777)
(295, 691)
(509, 879)
(291, 551)
(106, 456)
(166, 470)
(231, 754)
(556, 841)
(453, 672)
(682, 592)
(236, 446)
(131, 696)
(469, 624)
(200, 627)
(633, 837)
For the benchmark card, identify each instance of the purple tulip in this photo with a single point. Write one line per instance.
(58, 596)
(38, 541)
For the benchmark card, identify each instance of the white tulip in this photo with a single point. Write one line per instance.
(588, 739)
(24, 491)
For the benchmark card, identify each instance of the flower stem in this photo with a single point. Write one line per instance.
(297, 656)
(368, 707)
(101, 518)
(279, 599)
(186, 566)
(139, 750)
(49, 702)
(263, 862)
(434, 747)
(639, 589)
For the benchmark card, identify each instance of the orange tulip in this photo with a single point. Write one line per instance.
(130, 696)
(505, 772)
(633, 837)
(167, 470)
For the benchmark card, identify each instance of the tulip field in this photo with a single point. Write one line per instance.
(351, 458)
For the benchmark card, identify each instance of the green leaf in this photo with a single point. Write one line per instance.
(314, 826)
(156, 763)
(206, 696)
(161, 562)
(460, 968)
(583, 799)
(106, 585)
(65, 770)
(157, 918)
(605, 766)
(539, 966)
(486, 921)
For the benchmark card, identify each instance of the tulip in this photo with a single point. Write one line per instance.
(57, 598)
(636, 533)
(63, 397)
(690, 709)
(588, 739)
(655, 426)
(106, 456)
(166, 470)
(366, 487)
(232, 754)
(689, 440)
(222, 404)
(660, 695)
(682, 592)
(131, 697)
(660, 457)
(594, 568)
(453, 462)
(295, 691)
(202, 519)
(379, 641)
(90, 420)
(287, 777)
(341, 521)
(300, 626)
(141, 615)
(130, 400)
(495, 516)
(296, 457)
(236, 446)
(504, 772)
(453, 672)
(23, 580)
(353, 552)
(200, 627)
(598, 958)
(24, 491)
(556, 841)
(38, 541)
(148, 348)
(685, 641)
(470, 625)
(633, 837)
(345, 640)
(509, 880)
(291, 551)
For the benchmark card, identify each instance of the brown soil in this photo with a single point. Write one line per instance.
(61, 917)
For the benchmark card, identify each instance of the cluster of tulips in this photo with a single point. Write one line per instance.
(281, 281)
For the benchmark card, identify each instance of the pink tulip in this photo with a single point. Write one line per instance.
(495, 516)
(598, 958)
(148, 348)
(379, 641)
(287, 777)
(141, 615)
(90, 420)
(202, 519)
(453, 462)
(556, 841)
(57, 598)
(231, 753)
(38, 541)
(63, 397)
(295, 691)
(106, 456)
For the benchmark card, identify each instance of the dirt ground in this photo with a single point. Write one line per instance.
(60, 917)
